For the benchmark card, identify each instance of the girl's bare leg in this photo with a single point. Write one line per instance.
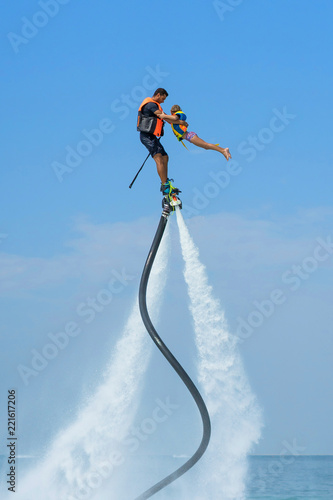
(206, 145)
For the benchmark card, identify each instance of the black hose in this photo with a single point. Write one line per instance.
(175, 364)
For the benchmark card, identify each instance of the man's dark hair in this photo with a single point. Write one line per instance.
(161, 92)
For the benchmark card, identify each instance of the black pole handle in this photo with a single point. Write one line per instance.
(138, 172)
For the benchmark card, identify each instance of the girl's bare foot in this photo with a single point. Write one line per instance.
(226, 153)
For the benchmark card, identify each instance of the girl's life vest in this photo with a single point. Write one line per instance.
(179, 130)
(150, 124)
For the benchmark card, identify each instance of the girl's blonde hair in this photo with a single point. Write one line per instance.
(175, 108)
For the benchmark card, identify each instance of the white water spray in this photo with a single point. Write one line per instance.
(235, 415)
(86, 454)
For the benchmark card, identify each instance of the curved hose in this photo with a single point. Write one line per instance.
(175, 364)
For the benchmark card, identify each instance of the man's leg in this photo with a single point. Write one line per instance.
(162, 166)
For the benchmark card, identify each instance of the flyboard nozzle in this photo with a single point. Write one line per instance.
(169, 204)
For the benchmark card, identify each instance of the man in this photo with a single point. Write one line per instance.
(150, 125)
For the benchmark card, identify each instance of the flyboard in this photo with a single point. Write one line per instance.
(170, 203)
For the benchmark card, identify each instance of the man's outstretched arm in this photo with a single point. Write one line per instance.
(170, 118)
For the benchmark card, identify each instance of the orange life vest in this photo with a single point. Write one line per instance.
(150, 124)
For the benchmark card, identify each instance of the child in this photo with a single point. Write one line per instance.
(181, 133)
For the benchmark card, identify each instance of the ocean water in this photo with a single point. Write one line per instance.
(269, 478)
(290, 477)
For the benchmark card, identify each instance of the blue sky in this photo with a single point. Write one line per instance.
(255, 77)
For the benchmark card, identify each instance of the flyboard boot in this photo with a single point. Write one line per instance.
(170, 196)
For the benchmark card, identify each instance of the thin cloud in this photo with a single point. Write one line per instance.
(232, 242)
